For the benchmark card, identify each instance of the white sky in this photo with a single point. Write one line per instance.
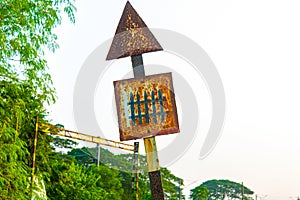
(255, 46)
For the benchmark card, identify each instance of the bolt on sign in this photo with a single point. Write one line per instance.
(146, 106)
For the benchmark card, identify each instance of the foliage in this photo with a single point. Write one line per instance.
(64, 143)
(26, 32)
(171, 185)
(83, 156)
(200, 193)
(124, 164)
(74, 181)
(13, 171)
(18, 104)
(220, 189)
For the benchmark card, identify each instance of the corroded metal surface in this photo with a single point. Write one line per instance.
(132, 36)
(47, 128)
(146, 106)
(156, 185)
(135, 171)
(138, 66)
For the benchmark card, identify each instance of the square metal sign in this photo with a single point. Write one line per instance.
(146, 106)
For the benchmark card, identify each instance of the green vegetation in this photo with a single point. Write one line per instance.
(25, 87)
(200, 193)
(221, 189)
(123, 163)
(69, 180)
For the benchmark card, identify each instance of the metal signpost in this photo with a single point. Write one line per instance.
(145, 104)
(135, 171)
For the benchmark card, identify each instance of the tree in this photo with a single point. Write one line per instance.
(220, 189)
(83, 156)
(171, 185)
(26, 29)
(70, 180)
(124, 164)
(14, 171)
(26, 32)
(200, 193)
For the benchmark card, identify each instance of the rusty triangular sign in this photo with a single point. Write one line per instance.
(132, 36)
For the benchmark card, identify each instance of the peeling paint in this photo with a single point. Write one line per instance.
(149, 104)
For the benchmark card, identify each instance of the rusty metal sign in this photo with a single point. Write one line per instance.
(132, 36)
(146, 106)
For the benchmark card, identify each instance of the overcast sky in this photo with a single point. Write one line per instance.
(255, 46)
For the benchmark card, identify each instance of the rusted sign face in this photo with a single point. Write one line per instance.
(132, 36)
(146, 106)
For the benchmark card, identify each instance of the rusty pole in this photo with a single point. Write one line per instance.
(136, 169)
(34, 149)
(149, 142)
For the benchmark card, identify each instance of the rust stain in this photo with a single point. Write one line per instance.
(146, 106)
(132, 36)
(151, 152)
(148, 145)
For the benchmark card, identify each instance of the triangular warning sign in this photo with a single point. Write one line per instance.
(132, 36)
